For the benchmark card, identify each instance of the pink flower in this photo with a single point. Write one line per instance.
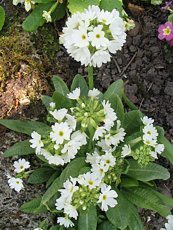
(166, 31)
(171, 42)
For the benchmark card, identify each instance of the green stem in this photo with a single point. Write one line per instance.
(129, 103)
(53, 8)
(90, 77)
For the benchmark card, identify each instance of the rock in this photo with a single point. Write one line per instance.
(169, 89)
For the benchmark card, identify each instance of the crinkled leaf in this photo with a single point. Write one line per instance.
(41, 175)
(60, 86)
(72, 169)
(19, 149)
(87, 220)
(2, 17)
(129, 182)
(116, 88)
(46, 100)
(79, 82)
(146, 198)
(25, 126)
(74, 5)
(124, 215)
(147, 173)
(106, 225)
(52, 178)
(111, 5)
(33, 206)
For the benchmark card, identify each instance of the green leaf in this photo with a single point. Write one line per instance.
(147, 173)
(79, 82)
(55, 227)
(74, 5)
(60, 86)
(52, 178)
(72, 169)
(41, 175)
(146, 198)
(88, 219)
(35, 19)
(59, 12)
(132, 121)
(43, 1)
(170, 18)
(33, 206)
(111, 5)
(106, 225)
(168, 151)
(46, 100)
(19, 149)
(25, 126)
(116, 88)
(123, 220)
(129, 182)
(117, 105)
(61, 101)
(2, 17)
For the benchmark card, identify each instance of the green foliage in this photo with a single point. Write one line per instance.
(118, 106)
(61, 101)
(19, 149)
(106, 225)
(116, 88)
(2, 17)
(124, 215)
(111, 4)
(88, 219)
(33, 206)
(147, 173)
(26, 127)
(41, 175)
(132, 121)
(60, 86)
(80, 82)
(75, 6)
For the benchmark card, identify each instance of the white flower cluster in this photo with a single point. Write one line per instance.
(83, 186)
(91, 36)
(20, 166)
(169, 225)
(150, 136)
(28, 3)
(65, 140)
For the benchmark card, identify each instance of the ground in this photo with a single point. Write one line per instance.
(146, 66)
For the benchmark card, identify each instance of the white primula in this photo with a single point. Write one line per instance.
(52, 105)
(93, 158)
(169, 225)
(71, 121)
(65, 221)
(91, 180)
(75, 94)
(36, 142)
(47, 16)
(16, 2)
(92, 35)
(21, 165)
(147, 121)
(126, 151)
(69, 187)
(107, 197)
(28, 5)
(94, 93)
(15, 183)
(59, 114)
(151, 131)
(60, 132)
(108, 160)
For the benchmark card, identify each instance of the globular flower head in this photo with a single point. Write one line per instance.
(166, 31)
(90, 37)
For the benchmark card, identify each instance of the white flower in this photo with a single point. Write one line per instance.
(126, 151)
(36, 142)
(71, 211)
(110, 115)
(91, 180)
(148, 140)
(100, 57)
(97, 37)
(63, 201)
(93, 93)
(159, 148)
(28, 5)
(21, 165)
(15, 183)
(59, 114)
(16, 2)
(108, 160)
(99, 170)
(90, 36)
(169, 225)
(75, 94)
(69, 187)
(38, 229)
(107, 197)
(100, 131)
(92, 158)
(47, 16)
(147, 121)
(55, 160)
(60, 132)
(71, 121)
(52, 105)
(151, 131)
(65, 221)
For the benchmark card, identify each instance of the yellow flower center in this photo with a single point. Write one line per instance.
(97, 35)
(61, 133)
(104, 197)
(83, 37)
(167, 31)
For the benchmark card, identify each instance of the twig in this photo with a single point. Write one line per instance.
(127, 66)
(117, 65)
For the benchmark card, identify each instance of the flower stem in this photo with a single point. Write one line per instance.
(90, 77)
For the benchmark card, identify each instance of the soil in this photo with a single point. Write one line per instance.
(146, 66)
